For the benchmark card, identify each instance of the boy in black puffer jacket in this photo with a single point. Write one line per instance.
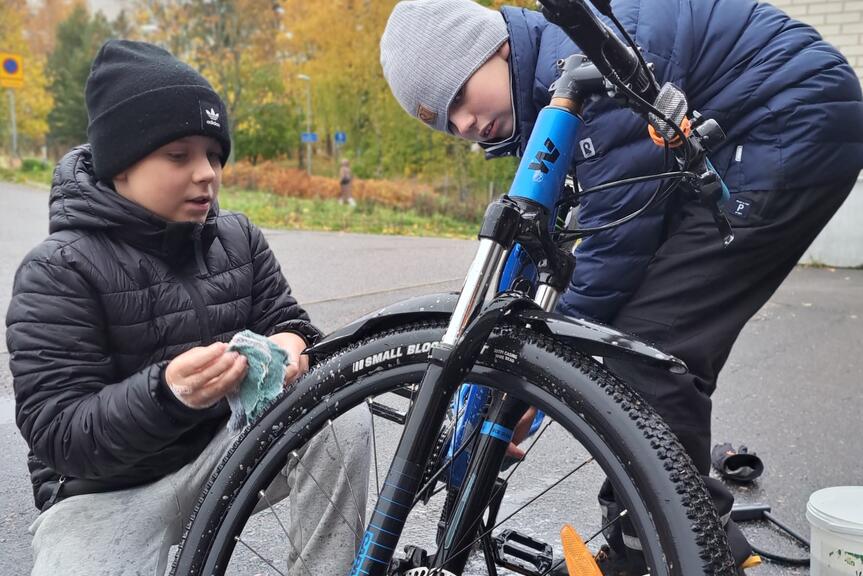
(118, 325)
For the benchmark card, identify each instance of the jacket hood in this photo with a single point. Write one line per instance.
(525, 28)
(79, 201)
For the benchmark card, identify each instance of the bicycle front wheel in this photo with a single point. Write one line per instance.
(596, 428)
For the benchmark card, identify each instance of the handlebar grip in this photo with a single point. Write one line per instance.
(610, 55)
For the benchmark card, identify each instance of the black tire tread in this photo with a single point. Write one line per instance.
(704, 521)
(710, 536)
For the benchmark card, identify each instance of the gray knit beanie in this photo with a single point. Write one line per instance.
(431, 47)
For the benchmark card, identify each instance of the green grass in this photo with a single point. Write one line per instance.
(31, 172)
(272, 211)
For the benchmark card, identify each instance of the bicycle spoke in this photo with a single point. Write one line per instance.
(285, 530)
(255, 552)
(534, 443)
(347, 476)
(523, 506)
(526, 452)
(608, 524)
(374, 446)
(517, 464)
(324, 492)
(474, 435)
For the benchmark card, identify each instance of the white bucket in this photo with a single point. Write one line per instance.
(836, 518)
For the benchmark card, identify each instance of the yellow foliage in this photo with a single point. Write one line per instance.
(336, 44)
(32, 101)
(42, 24)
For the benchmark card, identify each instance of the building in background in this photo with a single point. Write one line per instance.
(111, 8)
(840, 22)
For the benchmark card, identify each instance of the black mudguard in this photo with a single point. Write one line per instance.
(589, 337)
(437, 306)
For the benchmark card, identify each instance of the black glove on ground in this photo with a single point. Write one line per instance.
(737, 465)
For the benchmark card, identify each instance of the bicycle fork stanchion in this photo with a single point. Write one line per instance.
(479, 277)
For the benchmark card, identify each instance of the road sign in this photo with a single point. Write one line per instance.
(309, 137)
(341, 137)
(11, 71)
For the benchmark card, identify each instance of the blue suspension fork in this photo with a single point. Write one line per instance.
(556, 129)
(539, 181)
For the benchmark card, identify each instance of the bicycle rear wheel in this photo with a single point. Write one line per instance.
(596, 428)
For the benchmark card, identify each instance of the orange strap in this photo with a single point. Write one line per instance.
(675, 142)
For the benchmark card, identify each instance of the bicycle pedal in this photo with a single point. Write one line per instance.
(522, 554)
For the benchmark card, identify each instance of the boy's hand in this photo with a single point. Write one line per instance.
(202, 376)
(294, 345)
(520, 433)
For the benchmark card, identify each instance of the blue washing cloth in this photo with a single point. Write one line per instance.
(264, 379)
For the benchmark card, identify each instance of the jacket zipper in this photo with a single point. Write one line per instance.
(198, 300)
(55, 494)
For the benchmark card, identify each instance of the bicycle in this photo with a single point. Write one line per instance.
(409, 363)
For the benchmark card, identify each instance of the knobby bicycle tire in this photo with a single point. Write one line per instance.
(645, 463)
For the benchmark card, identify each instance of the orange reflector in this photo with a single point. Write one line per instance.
(751, 562)
(685, 127)
(579, 560)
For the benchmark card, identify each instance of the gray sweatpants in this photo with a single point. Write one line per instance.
(130, 532)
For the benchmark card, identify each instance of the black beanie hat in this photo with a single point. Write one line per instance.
(139, 98)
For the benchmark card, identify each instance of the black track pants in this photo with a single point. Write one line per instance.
(698, 294)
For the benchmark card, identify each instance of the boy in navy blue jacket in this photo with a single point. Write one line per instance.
(788, 101)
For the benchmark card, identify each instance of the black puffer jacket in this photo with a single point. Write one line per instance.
(98, 310)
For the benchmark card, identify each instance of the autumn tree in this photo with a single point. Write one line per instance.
(32, 101)
(336, 44)
(238, 45)
(254, 51)
(42, 23)
(78, 40)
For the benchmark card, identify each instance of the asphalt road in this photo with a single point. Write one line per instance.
(791, 390)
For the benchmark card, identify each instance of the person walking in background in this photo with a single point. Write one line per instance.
(346, 179)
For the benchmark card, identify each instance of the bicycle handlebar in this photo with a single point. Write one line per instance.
(665, 110)
(609, 54)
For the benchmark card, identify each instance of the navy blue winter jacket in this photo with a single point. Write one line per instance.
(789, 102)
